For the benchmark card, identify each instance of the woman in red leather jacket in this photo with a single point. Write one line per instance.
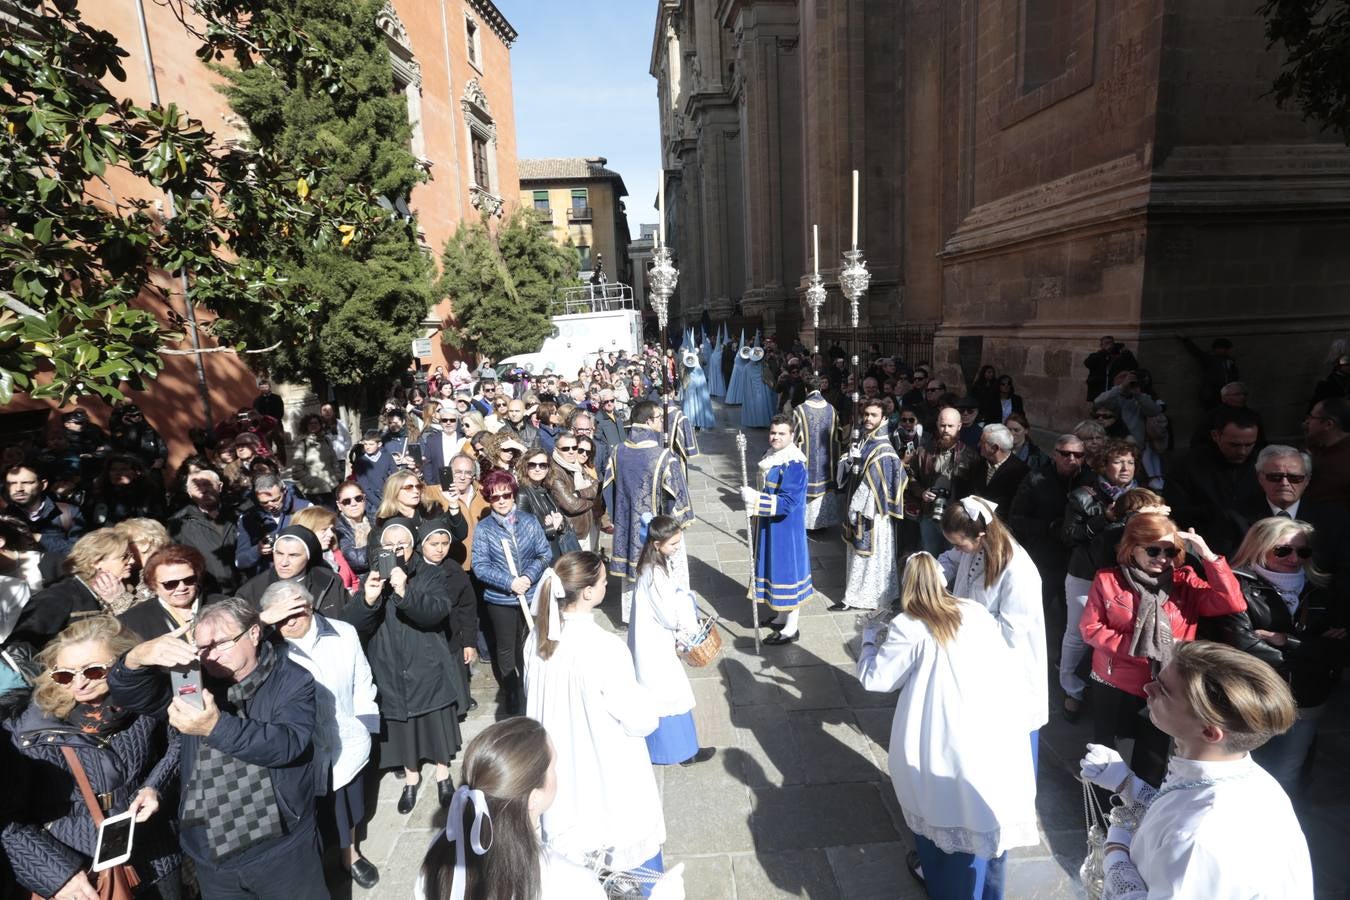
(1135, 612)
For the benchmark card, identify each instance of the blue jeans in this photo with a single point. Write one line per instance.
(930, 536)
(959, 876)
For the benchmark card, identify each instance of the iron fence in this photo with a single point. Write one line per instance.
(911, 343)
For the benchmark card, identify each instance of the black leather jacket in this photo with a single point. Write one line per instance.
(1310, 662)
(1084, 519)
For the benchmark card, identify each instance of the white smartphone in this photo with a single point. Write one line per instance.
(187, 684)
(114, 841)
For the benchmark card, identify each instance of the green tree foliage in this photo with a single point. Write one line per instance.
(1315, 77)
(502, 290)
(76, 254)
(369, 302)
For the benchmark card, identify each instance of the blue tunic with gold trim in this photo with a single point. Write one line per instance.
(643, 476)
(782, 576)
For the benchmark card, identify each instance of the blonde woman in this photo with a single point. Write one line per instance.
(1293, 622)
(323, 522)
(122, 754)
(406, 496)
(959, 759)
(99, 580)
(146, 537)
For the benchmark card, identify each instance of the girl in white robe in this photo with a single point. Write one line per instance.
(986, 565)
(959, 759)
(580, 683)
(664, 613)
(491, 843)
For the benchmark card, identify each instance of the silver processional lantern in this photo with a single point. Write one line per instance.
(664, 277)
(815, 298)
(853, 280)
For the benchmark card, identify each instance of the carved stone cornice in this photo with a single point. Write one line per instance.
(486, 202)
(495, 20)
(406, 67)
(475, 98)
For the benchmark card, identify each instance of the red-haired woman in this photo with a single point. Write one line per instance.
(1136, 612)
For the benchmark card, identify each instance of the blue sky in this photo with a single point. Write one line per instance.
(579, 69)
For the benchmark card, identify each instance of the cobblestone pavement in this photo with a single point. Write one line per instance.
(797, 802)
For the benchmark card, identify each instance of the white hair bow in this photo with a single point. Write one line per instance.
(556, 595)
(454, 826)
(979, 509)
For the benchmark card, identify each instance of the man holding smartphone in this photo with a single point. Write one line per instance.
(247, 796)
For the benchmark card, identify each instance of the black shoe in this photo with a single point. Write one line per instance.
(408, 799)
(445, 790)
(1072, 709)
(838, 606)
(703, 755)
(774, 640)
(768, 621)
(398, 773)
(473, 704)
(915, 867)
(364, 873)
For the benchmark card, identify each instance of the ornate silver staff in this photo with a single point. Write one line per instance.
(815, 298)
(853, 280)
(664, 277)
(749, 540)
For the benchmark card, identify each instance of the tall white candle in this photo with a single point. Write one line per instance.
(815, 245)
(661, 207)
(855, 209)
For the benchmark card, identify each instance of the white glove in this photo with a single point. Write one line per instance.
(1118, 834)
(670, 886)
(855, 452)
(1104, 767)
(750, 496)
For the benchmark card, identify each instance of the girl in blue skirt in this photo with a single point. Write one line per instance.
(663, 610)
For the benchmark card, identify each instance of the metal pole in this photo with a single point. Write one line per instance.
(749, 542)
(187, 297)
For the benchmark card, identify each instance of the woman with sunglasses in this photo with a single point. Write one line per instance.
(175, 574)
(353, 526)
(574, 489)
(99, 579)
(128, 759)
(1136, 611)
(1295, 622)
(510, 553)
(1088, 514)
(535, 499)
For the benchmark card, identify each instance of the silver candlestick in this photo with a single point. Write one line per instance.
(853, 281)
(664, 277)
(815, 298)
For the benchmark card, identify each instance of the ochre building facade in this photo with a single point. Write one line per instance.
(1035, 174)
(451, 60)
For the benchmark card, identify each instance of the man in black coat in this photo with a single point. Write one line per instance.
(998, 473)
(1036, 516)
(209, 527)
(1283, 472)
(1209, 485)
(247, 799)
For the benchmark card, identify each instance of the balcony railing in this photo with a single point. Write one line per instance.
(579, 214)
(588, 298)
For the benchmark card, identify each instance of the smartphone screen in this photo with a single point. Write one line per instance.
(114, 841)
(416, 453)
(187, 685)
(447, 476)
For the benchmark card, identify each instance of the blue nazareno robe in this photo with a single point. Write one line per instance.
(643, 476)
(782, 576)
(885, 475)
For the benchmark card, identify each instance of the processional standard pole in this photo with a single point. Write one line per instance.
(749, 541)
(853, 281)
(664, 277)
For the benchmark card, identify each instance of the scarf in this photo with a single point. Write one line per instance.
(579, 480)
(1289, 585)
(507, 521)
(100, 718)
(231, 798)
(1112, 491)
(1152, 638)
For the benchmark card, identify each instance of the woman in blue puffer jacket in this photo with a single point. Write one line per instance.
(510, 552)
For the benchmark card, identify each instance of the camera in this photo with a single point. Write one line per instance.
(940, 504)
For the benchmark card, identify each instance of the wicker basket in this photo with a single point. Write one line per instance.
(705, 646)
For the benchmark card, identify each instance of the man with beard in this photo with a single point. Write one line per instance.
(208, 527)
(875, 507)
(56, 526)
(936, 467)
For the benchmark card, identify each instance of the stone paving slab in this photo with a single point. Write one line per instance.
(798, 802)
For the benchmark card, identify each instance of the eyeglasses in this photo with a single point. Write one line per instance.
(1154, 551)
(350, 501)
(95, 672)
(568, 449)
(537, 465)
(397, 548)
(226, 644)
(1277, 477)
(908, 420)
(495, 498)
(445, 421)
(171, 584)
(583, 451)
(1285, 549)
(1071, 454)
(411, 487)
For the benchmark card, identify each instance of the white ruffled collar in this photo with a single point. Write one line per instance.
(790, 453)
(1186, 770)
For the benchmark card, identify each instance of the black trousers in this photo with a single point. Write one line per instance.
(506, 634)
(1116, 713)
(295, 874)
